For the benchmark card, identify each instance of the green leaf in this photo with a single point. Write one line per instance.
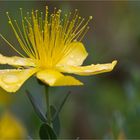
(46, 132)
(61, 105)
(56, 121)
(36, 107)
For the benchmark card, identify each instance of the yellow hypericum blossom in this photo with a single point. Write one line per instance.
(51, 46)
(11, 128)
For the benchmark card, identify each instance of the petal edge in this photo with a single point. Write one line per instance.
(16, 61)
(55, 78)
(88, 70)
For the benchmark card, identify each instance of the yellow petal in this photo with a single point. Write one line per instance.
(76, 56)
(55, 78)
(88, 70)
(16, 61)
(12, 80)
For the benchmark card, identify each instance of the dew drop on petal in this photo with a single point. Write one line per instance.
(19, 61)
(10, 79)
(72, 56)
(88, 70)
(103, 67)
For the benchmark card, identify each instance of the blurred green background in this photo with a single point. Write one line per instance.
(108, 105)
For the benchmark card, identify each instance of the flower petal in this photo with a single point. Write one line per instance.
(88, 70)
(55, 78)
(16, 61)
(76, 56)
(12, 80)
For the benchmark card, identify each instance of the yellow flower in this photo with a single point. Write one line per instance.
(11, 128)
(51, 46)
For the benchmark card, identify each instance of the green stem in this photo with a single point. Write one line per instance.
(48, 106)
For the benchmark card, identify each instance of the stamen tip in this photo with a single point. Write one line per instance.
(90, 17)
(59, 10)
(47, 8)
(9, 22)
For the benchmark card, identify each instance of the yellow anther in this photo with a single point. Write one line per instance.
(59, 10)
(9, 22)
(90, 17)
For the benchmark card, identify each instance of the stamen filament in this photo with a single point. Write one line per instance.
(48, 40)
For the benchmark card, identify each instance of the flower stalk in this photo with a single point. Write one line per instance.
(48, 105)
